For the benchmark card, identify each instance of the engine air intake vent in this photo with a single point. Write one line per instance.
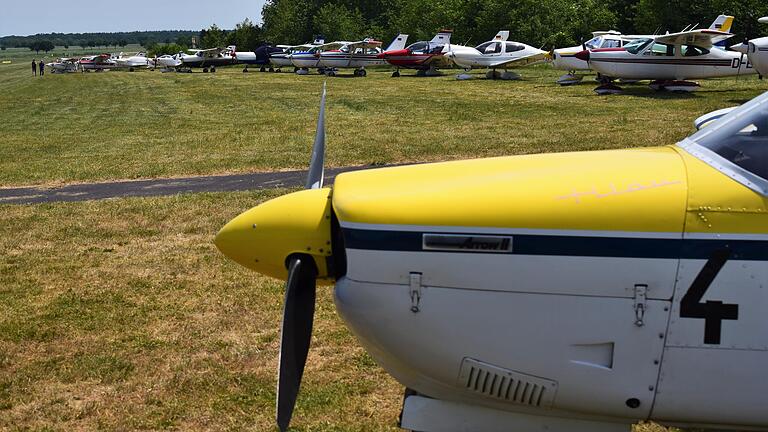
(506, 385)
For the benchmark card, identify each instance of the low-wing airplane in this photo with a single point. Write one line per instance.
(207, 59)
(496, 54)
(757, 51)
(355, 55)
(283, 59)
(97, 63)
(668, 61)
(64, 65)
(565, 58)
(424, 56)
(167, 62)
(567, 292)
(131, 62)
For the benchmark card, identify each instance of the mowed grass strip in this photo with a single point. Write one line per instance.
(122, 125)
(121, 314)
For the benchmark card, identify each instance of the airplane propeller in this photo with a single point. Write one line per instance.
(299, 308)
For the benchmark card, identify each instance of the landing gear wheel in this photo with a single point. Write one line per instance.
(396, 74)
(363, 72)
(263, 69)
(276, 70)
(331, 73)
(421, 73)
(271, 69)
(205, 70)
(245, 69)
(321, 71)
(130, 70)
(213, 70)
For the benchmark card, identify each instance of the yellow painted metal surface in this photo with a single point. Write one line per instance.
(640, 190)
(263, 237)
(718, 204)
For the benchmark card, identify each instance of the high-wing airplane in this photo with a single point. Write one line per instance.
(496, 54)
(97, 63)
(64, 65)
(565, 58)
(424, 56)
(757, 51)
(567, 292)
(668, 60)
(131, 62)
(207, 59)
(282, 59)
(356, 55)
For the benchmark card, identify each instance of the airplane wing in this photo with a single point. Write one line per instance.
(704, 38)
(521, 61)
(331, 45)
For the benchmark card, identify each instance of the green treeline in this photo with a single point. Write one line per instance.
(544, 23)
(535, 22)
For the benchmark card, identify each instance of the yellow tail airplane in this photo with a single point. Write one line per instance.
(562, 292)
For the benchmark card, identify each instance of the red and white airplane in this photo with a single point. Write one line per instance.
(424, 56)
(669, 61)
(98, 63)
(351, 55)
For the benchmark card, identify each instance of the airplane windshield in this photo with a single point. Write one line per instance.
(737, 144)
(594, 42)
(418, 47)
(635, 47)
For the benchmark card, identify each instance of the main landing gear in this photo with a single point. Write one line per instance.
(360, 72)
(570, 78)
(396, 73)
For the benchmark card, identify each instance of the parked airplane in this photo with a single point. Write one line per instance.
(282, 59)
(64, 65)
(565, 58)
(207, 59)
(757, 51)
(496, 54)
(168, 62)
(668, 60)
(259, 57)
(131, 62)
(424, 56)
(356, 55)
(97, 63)
(570, 292)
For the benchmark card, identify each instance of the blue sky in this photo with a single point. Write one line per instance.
(27, 17)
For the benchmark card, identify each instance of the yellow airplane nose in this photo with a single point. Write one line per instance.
(263, 237)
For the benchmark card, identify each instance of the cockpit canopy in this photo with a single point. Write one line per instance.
(495, 47)
(737, 144)
(424, 47)
(603, 42)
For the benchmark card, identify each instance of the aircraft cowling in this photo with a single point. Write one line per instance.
(515, 268)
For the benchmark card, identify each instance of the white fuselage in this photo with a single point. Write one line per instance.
(305, 59)
(167, 61)
(655, 64)
(565, 58)
(340, 59)
(132, 62)
(758, 55)
(493, 54)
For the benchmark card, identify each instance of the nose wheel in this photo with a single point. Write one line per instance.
(396, 74)
(360, 72)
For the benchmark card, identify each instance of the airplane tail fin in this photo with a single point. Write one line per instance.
(722, 23)
(319, 40)
(443, 37)
(502, 36)
(398, 43)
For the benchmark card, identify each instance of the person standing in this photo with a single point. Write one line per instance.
(42, 67)
(34, 68)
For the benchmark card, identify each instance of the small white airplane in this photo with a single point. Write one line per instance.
(207, 59)
(566, 292)
(64, 65)
(757, 51)
(356, 55)
(167, 62)
(283, 59)
(565, 58)
(495, 54)
(131, 62)
(669, 61)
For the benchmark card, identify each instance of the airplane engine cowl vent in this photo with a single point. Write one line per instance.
(506, 385)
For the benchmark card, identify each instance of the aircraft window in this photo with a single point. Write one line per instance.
(437, 49)
(741, 139)
(660, 49)
(593, 43)
(636, 46)
(511, 47)
(611, 43)
(692, 51)
(483, 46)
(495, 48)
(418, 47)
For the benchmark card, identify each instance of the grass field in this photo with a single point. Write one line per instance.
(120, 314)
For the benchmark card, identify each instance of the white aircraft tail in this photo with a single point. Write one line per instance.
(444, 37)
(319, 40)
(398, 43)
(722, 23)
(502, 36)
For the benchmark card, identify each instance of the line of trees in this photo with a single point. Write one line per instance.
(536, 22)
(90, 40)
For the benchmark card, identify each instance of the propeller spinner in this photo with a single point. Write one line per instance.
(289, 238)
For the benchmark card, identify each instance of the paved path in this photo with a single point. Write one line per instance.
(168, 186)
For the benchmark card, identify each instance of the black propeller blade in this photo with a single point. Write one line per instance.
(296, 334)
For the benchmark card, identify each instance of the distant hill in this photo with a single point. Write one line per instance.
(144, 38)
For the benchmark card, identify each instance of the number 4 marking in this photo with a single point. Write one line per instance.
(713, 312)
